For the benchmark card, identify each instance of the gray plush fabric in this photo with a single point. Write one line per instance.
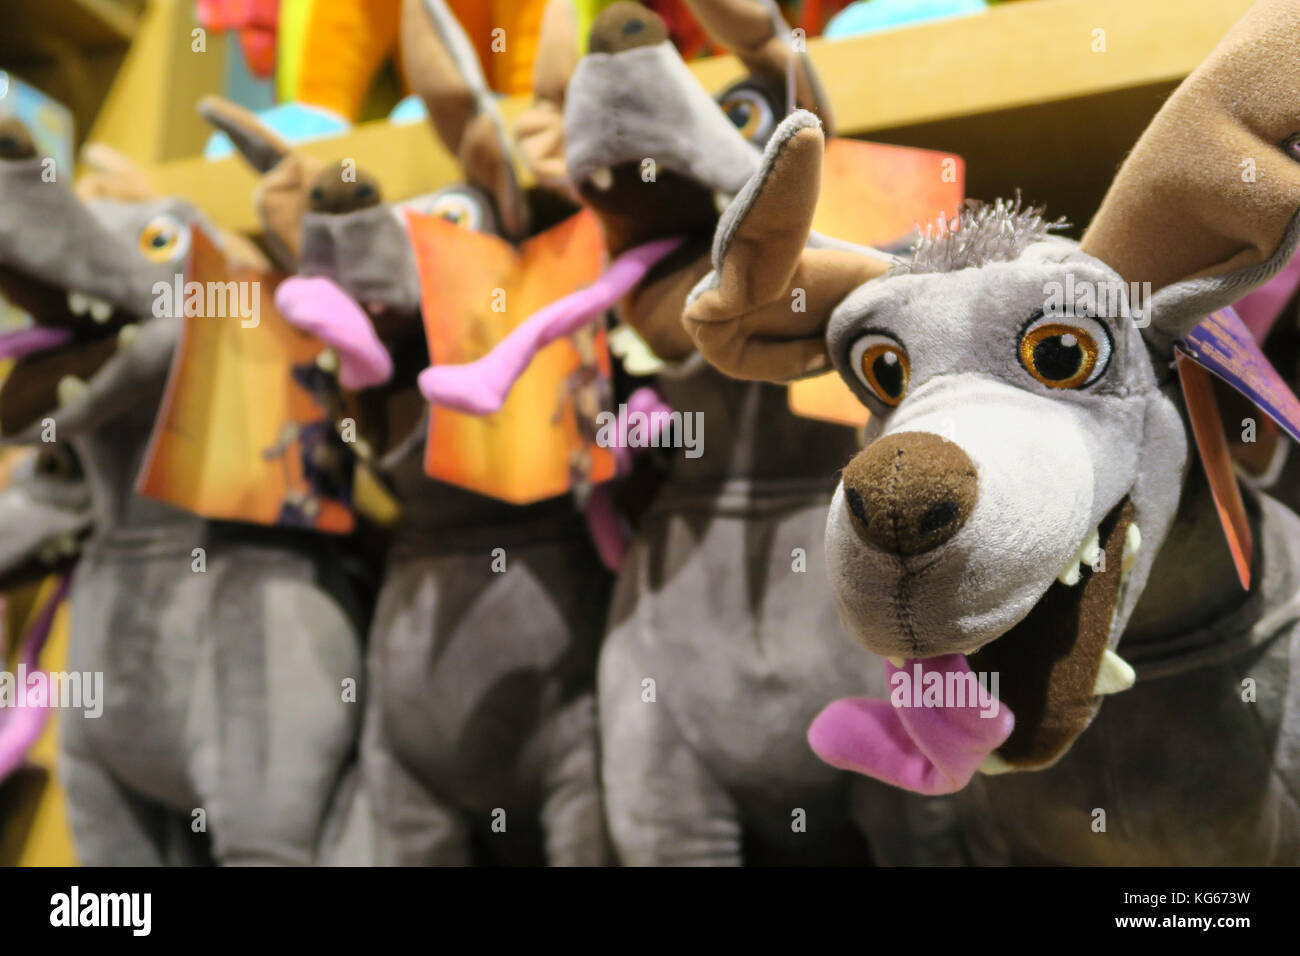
(224, 689)
(743, 651)
(677, 123)
(481, 712)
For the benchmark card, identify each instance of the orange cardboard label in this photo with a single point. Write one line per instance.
(240, 436)
(475, 288)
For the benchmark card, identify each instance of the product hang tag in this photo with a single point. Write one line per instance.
(1222, 345)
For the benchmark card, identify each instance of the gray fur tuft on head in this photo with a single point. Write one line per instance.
(981, 233)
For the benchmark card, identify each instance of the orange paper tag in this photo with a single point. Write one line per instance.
(475, 288)
(873, 194)
(1212, 443)
(229, 439)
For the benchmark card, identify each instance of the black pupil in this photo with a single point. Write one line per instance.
(1057, 361)
(739, 113)
(159, 240)
(889, 374)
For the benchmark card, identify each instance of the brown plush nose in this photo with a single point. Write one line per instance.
(340, 188)
(15, 140)
(624, 26)
(909, 492)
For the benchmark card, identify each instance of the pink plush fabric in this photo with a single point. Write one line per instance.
(38, 338)
(1261, 308)
(319, 307)
(481, 387)
(929, 750)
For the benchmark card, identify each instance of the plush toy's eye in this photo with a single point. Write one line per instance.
(164, 239)
(880, 362)
(1065, 351)
(751, 113)
(458, 209)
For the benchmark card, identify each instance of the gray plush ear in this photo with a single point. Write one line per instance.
(255, 141)
(1178, 308)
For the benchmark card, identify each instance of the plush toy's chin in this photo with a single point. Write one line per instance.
(74, 336)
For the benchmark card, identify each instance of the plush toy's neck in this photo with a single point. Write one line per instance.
(1193, 579)
(111, 456)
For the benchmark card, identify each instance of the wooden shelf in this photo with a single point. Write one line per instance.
(1018, 91)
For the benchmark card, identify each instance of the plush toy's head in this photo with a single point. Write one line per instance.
(86, 273)
(1026, 450)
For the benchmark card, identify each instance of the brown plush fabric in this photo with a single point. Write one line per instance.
(748, 327)
(654, 308)
(340, 188)
(107, 174)
(1049, 661)
(430, 71)
(539, 130)
(15, 140)
(1179, 207)
(910, 492)
(625, 26)
(746, 27)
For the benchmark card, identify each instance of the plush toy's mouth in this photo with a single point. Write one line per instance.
(1047, 672)
(74, 335)
(638, 206)
(1055, 662)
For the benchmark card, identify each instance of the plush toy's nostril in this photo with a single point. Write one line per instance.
(15, 140)
(910, 492)
(625, 26)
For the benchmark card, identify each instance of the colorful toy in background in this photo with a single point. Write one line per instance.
(870, 16)
(48, 121)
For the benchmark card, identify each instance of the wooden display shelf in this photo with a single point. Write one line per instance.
(1017, 90)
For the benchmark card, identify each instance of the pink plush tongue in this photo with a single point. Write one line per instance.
(929, 750)
(481, 387)
(318, 306)
(39, 338)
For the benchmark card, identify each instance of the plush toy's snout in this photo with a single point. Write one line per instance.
(910, 492)
(624, 26)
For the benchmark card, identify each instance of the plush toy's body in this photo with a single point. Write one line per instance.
(224, 731)
(480, 742)
(711, 664)
(1024, 507)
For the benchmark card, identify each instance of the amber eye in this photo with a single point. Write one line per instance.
(164, 239)
(750, 112)
(1063, 352)
(457, 208)
(880, 362)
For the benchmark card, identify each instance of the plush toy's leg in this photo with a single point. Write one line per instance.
(412, 826)
(110, 825)
(665, 807)
(276, 707)
(572, 815)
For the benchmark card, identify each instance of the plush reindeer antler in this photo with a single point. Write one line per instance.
(761, 314)
(108, 174)
(539, 130)
(1205, 207)
(442, 67)
(281, 197)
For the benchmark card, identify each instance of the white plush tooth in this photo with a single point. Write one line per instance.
(100, 310)
(1091, 549)
(78, 303)
(70, 389)
(1114, 675)
(1132, 542)
(128, 335)
(1070, 576)
(895, 660)
(328, 361)
(994, 765)
(602, 179)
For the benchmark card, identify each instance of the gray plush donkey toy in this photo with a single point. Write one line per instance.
(1027, 508)
(723, 642)
(479, 742)
(223, 734)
